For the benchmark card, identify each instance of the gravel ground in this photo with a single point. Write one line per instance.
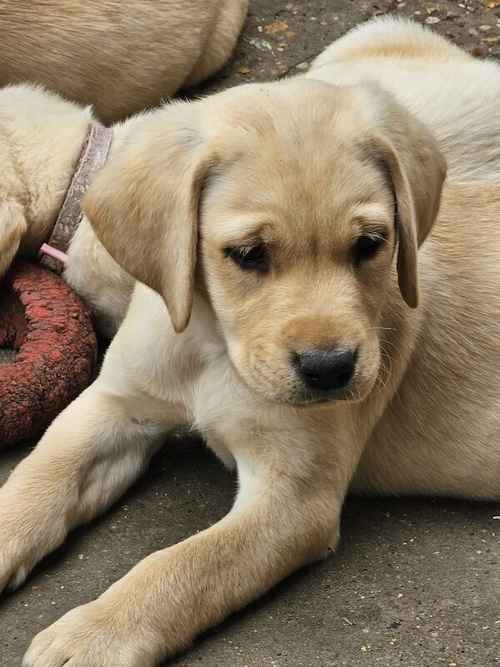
(414, 582)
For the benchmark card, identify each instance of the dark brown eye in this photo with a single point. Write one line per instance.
(367, 247)
(249, 258)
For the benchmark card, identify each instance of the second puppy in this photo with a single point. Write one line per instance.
(120, 56)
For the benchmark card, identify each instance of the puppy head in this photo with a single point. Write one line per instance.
(291, 200)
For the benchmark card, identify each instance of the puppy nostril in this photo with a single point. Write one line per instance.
(326, 370)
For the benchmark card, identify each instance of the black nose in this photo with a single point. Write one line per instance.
(326, 370)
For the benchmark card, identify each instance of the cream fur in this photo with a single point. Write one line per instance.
(121, 56)
(256, 161)
(36, 172)
(453, 93)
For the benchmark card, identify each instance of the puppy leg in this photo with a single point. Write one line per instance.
(282, 519)
(12, 229)
(87, 458)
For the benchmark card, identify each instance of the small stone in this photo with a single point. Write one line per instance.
(473, 32)
(432, 19)
(479, 51)
(276, 26)
(485, 27)
(260, 44)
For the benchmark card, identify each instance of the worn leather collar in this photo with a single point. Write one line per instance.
(93, 156)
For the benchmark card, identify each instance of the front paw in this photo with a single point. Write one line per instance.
(29, 530)
(15, 565)
(92, 635)
(19, 553)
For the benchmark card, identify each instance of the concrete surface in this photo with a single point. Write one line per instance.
(414, 582)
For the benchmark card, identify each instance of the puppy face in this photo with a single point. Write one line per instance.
(289, 201)
(296, 249)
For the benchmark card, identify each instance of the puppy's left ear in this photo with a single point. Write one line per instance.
(410, 158)
(143, 206)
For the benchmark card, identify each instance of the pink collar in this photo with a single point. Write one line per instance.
(93, 156)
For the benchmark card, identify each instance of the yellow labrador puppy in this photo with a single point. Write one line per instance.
(304, 306)
(295, 263)
(118, 55)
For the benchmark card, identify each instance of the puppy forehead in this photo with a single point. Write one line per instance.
(292, 155)
(290, 105)
(280, 196)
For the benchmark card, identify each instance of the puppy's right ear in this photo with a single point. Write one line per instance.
(407, 151)
(143, 206)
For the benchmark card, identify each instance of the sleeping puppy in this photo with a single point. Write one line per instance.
(280, 275)
(120, 56)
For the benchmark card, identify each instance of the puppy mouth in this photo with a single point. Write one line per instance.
(300, 397)
(306, 398)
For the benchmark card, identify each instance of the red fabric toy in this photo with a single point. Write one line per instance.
(48, 350)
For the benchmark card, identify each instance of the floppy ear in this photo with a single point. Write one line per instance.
(411, 159)
(143, 207)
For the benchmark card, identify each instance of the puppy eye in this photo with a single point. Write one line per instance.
(249, 258)
(367, 247)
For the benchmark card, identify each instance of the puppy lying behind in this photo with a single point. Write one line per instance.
(289, 268)
(454, 94)
(120, 56)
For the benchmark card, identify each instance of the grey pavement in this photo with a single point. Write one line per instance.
(415, 582)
